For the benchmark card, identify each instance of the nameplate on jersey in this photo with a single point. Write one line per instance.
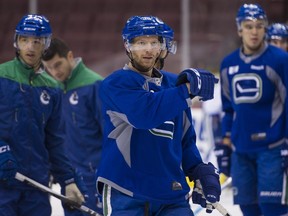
(257, 67)
(247, 88)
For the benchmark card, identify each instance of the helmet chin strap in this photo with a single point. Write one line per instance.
(161, 61)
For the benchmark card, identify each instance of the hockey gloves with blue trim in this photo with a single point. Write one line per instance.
(207, 187)
(201, 82)
(223, 155)
(284, 155)
(8, 164)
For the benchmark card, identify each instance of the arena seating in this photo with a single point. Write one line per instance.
(92, 28)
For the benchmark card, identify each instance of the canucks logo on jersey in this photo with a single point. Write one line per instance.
(74, 98)
(44, 97)
(247, 88)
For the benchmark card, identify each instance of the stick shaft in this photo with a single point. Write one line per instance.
(64, 199)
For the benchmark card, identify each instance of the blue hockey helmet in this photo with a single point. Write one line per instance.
(250, 12)
(277, 31)
(34, 25)
(148, 25)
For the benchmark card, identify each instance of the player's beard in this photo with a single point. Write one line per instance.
(141, 68)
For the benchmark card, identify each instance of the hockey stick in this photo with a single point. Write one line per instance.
(64, 199)
(217, 205)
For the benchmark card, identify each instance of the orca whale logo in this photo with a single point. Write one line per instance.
(74, 98)
(45, 97)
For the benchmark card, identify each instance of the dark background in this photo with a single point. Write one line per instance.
(92, 28)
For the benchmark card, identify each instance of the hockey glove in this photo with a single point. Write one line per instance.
(223, 155)
(207, 176)
(8, 164)
(199, 198)
(284, 155)
(201, 82)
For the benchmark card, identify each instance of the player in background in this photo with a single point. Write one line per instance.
(277, 35)
(254, 99)
(31, 141)
(148, 130)
(171, 47)
(81, 115)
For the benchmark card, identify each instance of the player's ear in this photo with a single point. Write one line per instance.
(126, 45)
(240, 32)
(70, 55)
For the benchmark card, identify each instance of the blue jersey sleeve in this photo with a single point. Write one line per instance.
(125, 93)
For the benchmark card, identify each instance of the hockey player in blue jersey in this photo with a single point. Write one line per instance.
(31, 141)
(254, 98)
(81, 115)
(149, 141)
(277, 35)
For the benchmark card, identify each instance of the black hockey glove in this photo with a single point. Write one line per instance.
(223, 154)
(199, 198)
(206, 179)
(201, 82)
(8, 164)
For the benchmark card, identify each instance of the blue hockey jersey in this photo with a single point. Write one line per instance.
(149, 141)
(254, 98)
(82, 118)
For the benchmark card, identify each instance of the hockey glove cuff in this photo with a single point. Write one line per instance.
(208, 177)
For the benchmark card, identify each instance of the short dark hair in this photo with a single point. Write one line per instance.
(57, 46)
